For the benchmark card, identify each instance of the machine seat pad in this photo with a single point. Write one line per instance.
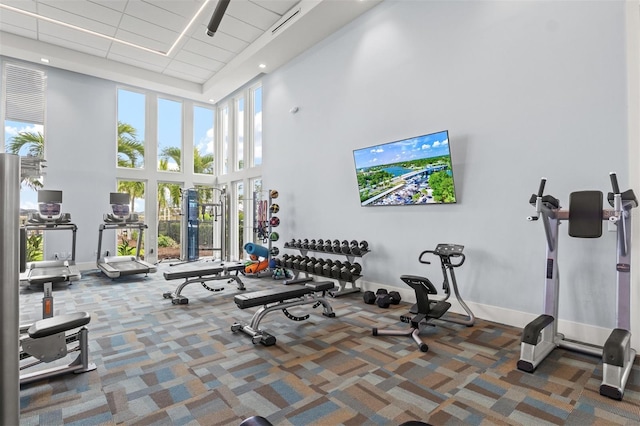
(263, 297)
(438, 309)
(203, 272)
(57, 324)
(320, 285)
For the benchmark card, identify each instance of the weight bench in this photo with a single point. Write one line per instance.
(46, 341)
(280, 298)
(220, 271)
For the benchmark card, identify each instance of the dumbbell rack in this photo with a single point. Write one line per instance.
(341, 282)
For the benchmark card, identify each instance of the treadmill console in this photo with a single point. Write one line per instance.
(49, 208)
(120, 211)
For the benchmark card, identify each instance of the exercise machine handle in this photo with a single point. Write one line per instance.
(543, 181)
(614, 183)
(455, 265)
(421, 260)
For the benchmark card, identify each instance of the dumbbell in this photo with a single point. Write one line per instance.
(317, 268)
(364, 246)
(312, 244)
(327, 246)
(303, 263)
(297, 243)
(335, 247)
(344, 247)
(326, 268)
(347, 274)
(311, 264)
(320, 245)
(380, 297)
(290, 243)
(354, 247)
(305, 244)
(274, 251)
(335, 269)
(288, 262)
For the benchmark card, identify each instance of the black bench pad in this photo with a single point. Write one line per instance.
(57, 324)
(202, 271)
(263, 297)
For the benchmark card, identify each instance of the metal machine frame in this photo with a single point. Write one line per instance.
(541, 337)
(116, 266)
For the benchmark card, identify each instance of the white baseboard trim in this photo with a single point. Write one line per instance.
(572, 330)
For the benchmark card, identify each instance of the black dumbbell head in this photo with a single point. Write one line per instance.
(395, 297)
(369, 297)
(383, 300)
(381, 291)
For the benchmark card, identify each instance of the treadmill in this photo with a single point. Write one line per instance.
(49, 217)
(121, 218)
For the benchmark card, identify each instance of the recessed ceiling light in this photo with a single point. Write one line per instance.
(45, 60)
(212, 100)
(262, 66)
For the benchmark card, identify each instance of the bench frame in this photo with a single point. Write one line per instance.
(314, 293)
(203, 275)
(46, 340)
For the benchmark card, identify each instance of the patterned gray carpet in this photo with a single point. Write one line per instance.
(164, 364)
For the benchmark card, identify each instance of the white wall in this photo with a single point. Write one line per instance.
(80, 151)
(526, 89)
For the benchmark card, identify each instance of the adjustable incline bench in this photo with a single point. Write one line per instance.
(199, 274)
(280, 298)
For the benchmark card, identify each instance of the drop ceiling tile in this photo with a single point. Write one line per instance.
(77, 46)
(28, 5)
(178, 68)
(157, 16)
(252, 14)
(239, 29)
(17, 30)
(77, 20)
(220, 39)
(129, 59)
(57, 32)
(149, 31)
(118, 5)
(143, 56)
(16, 19)
(198, 60)
(184, 8)
(86, 9)
(209, 50)
(278, 6)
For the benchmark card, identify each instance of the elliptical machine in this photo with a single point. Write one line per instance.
(427, 309)
(585, 216)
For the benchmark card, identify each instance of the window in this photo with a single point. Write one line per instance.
(257, 126)
(224, 123)
(239, 207)
(131, 127)
(169, 135)
(239, 134)
(203, 140)
(169, 220)
(127, 239)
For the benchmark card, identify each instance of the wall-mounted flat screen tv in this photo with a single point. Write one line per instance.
(411, 171)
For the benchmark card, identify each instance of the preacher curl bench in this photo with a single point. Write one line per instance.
(280, 299)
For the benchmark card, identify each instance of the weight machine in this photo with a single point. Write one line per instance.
(192, 211)
(585, 216)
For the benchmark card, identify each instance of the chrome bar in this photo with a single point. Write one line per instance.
(9, 284)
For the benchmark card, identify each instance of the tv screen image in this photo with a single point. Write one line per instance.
(411, 171)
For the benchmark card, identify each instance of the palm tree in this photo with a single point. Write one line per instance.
(170, 153)
(34, 142)
(202, 163)
(130, 150)
(135, 189)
